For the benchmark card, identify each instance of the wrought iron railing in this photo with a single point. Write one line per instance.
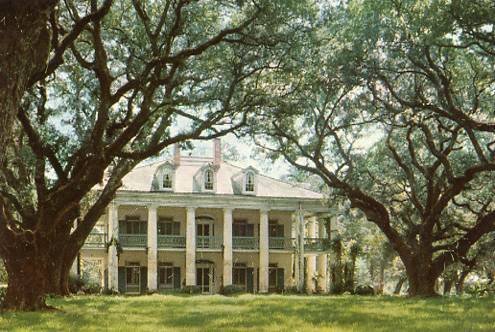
(283, 243)
(171, 241)
(96, 240)
(208, 242)
(316, 244)
(245, 242)
(133, 240)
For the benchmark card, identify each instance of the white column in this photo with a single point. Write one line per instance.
(113, 235)
(295, 256)
(190, 247)
(227, 247)
(322, 260)
(152, 249)
(311, 260)
(300, 251)
(264, 256)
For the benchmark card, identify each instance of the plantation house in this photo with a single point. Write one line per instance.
(196, 221)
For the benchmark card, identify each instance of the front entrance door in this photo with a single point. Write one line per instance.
(204, 279)
(133, 278)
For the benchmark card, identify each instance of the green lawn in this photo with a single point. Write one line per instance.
(257, 313)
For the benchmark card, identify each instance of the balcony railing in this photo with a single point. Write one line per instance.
(133, 240)
(209, 242)
(245, 242)
(283, 243)
(95, 240)
(316, 244)
(171, 241)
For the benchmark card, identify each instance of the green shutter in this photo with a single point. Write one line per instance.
(177, 280)
(122, 280)
(144, 279)
(250, 279)
(176, 228)
(280, 279)
(105, 279)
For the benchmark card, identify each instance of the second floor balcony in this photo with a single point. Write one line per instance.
(99, 240)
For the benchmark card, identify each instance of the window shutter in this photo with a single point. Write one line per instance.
(122, 281)
(144, 279)
(122, 227)
(105, 279)
(250, 279)
(250, 230)
(280, 279)
(177, 280)
(176, 228)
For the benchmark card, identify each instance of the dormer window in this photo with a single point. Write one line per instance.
(249, 183)
(209, 179)
(167, 181)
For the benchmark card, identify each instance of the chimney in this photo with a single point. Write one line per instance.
(176, 154)
(217, 152)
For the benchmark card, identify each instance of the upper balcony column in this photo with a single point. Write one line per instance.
(152, 248)
(190, 246)
(113, 235)
(227, 247)
(264, 255)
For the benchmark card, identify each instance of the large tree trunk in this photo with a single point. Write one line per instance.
(421, 278)
(24, 49)
(28, 273)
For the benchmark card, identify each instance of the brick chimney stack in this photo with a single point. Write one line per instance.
(176, 154)
(217, 151)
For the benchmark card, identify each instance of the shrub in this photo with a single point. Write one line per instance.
(292, 290)
(191, 290)
(232, 290)
(3, 273)
(3, 293)
(364, 290)
(79, 284)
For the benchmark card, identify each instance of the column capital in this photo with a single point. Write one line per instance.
(152, 206)
(228, 209)
(264, 210)
(191, 208)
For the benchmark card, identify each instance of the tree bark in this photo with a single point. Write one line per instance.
(399, 285)
(459, 285)
(28, 274)
(421, 279)
(24, 49)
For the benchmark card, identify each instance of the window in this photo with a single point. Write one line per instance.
(275, 230)
(209, 179)
(242, 228)
(132, 225)
(275, 277)
(166, 276)
(167, 180)
(249, 186)
(168, 227)
(239, 276)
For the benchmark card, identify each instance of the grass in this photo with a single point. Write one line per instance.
(256, 313)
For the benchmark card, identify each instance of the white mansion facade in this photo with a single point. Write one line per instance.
(196, 221)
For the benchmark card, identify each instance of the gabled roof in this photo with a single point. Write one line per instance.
(141, 179)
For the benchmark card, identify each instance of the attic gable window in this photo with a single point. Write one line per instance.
(167, 181)
(209, 179)
(249, 184)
